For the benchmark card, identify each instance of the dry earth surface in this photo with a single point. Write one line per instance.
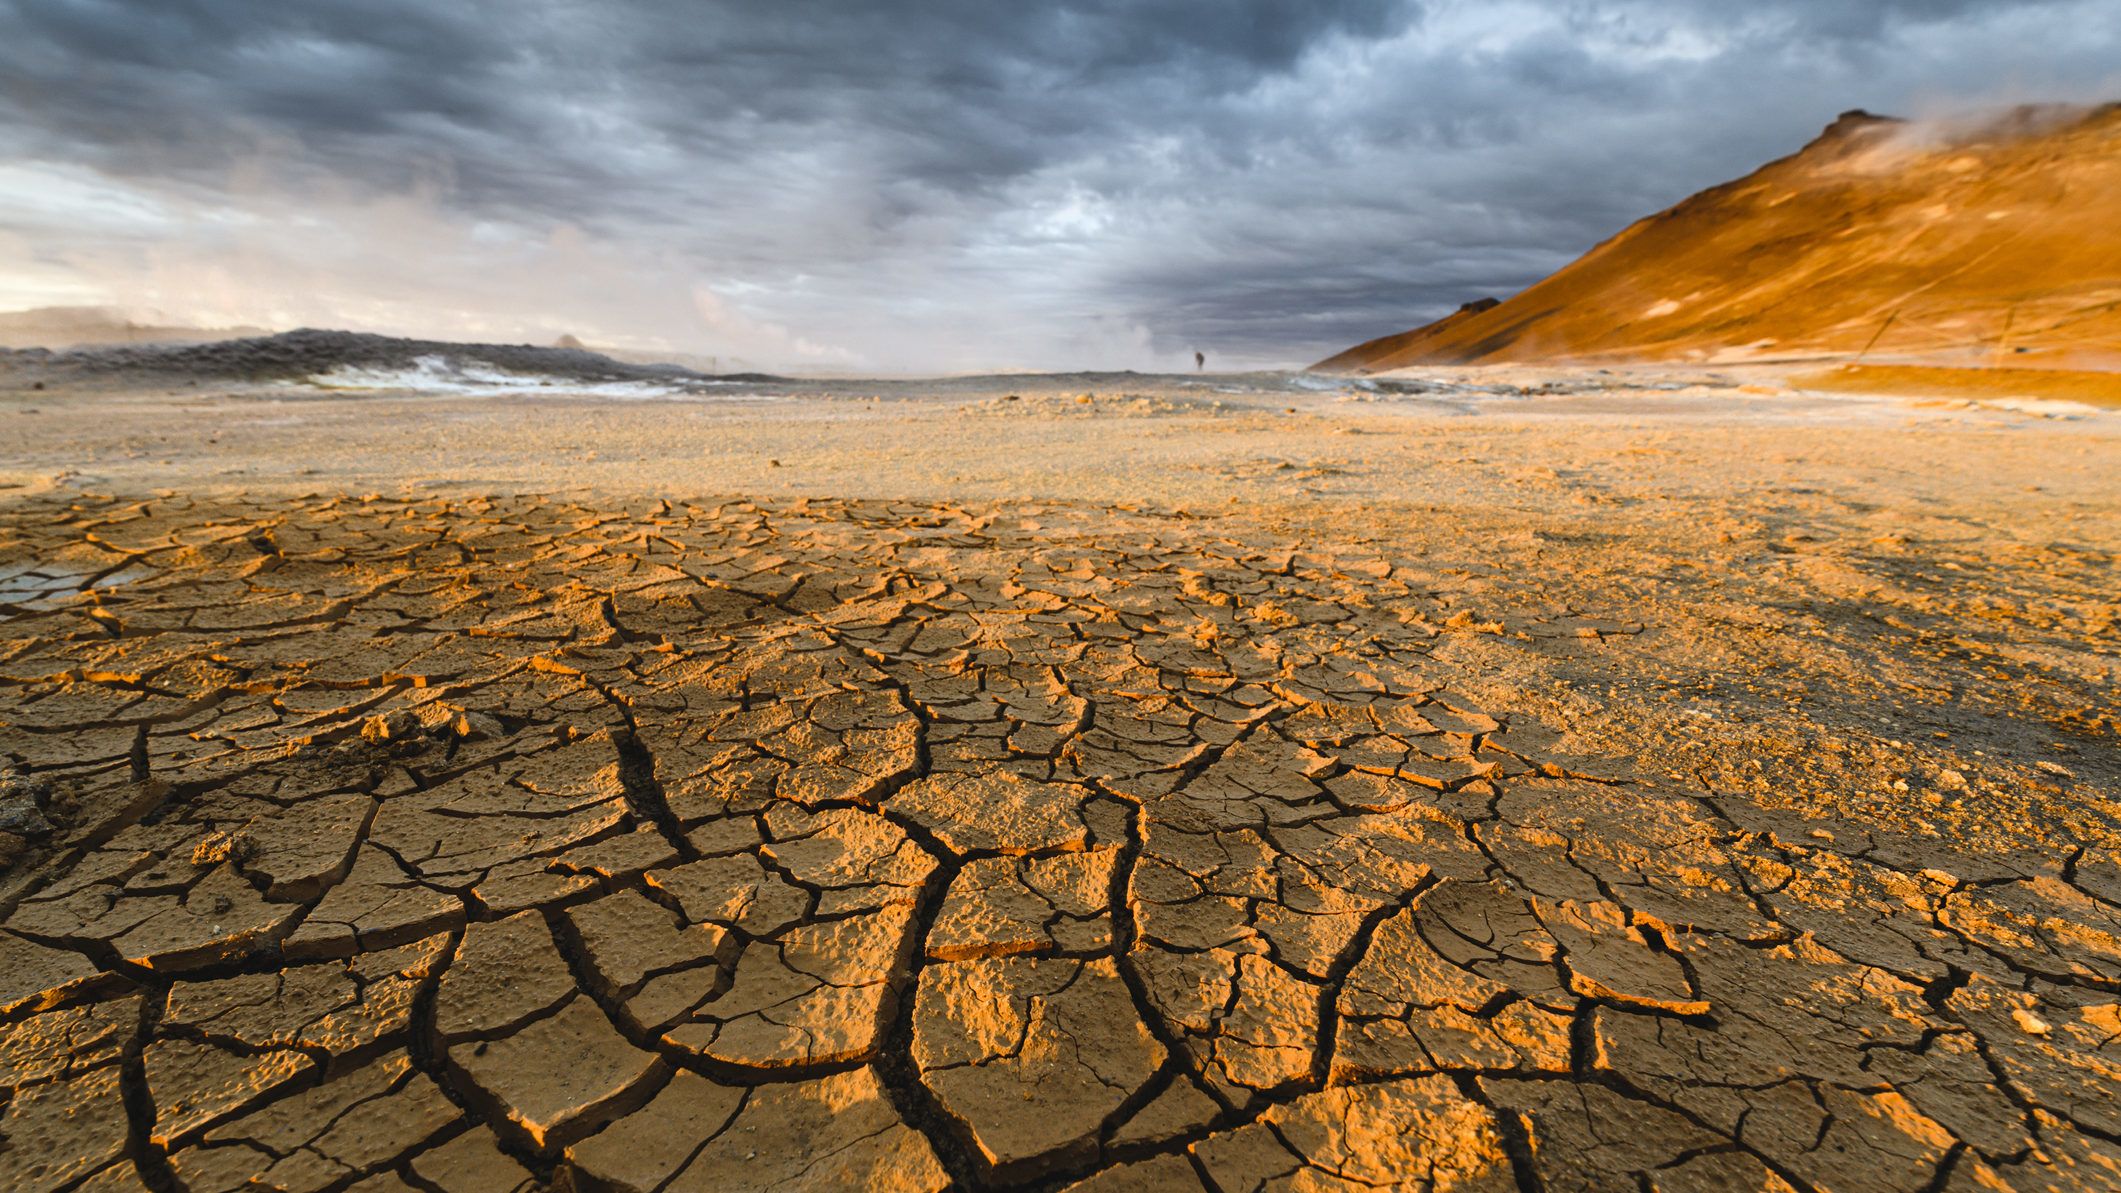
(1536, 782)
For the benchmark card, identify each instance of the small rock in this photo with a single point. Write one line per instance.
(397, 726)
(23, 803)
(1464, 620)
(15, 785)
(23, 818)
(2029, 1023)
(223, 847)
(2053, 768)
(349, 750)
(475, 726)
(1951, 780)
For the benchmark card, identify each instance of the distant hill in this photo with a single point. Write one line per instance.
(1971, 243)
(309, 353)
(78, 327)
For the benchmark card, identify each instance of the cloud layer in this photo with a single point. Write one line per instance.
(923, 186)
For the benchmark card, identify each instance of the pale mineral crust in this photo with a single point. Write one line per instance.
(523, 843)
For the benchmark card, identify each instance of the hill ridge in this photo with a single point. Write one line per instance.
(1943, 242)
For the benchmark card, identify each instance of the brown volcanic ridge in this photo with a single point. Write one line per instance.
(1892, 242)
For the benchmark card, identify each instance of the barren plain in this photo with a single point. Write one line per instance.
(1535, 780)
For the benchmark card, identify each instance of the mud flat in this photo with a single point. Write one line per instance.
(1575, 781)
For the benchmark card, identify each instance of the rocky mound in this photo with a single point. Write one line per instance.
(1967, 244)
(309, 352)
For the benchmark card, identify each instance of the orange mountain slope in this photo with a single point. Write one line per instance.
(1976, 243)
(1402, 343)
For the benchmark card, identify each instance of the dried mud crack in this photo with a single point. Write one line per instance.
(523, 843)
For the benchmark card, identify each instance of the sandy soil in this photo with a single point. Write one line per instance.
(1545, 780)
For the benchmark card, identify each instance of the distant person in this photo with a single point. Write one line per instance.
(1200, 361)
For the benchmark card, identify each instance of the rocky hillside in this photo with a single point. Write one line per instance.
(1968, 243)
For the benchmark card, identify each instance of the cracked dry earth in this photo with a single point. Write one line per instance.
(508, 844)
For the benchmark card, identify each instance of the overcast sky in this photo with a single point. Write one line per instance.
(901, 186)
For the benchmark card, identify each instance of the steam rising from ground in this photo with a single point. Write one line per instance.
(445, 375)
(1891, 146)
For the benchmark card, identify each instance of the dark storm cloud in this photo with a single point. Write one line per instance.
(969, 91)
(967, 183)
